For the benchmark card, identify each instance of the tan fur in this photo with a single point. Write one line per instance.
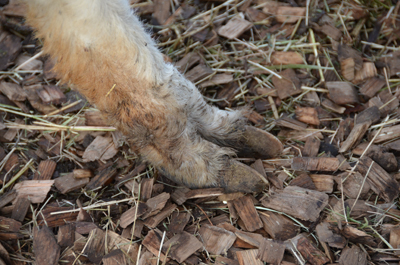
(100, 44)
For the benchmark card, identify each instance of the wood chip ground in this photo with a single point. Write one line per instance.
(323, 76)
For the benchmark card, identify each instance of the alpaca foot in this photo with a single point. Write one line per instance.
(238, 177)
(256, 143)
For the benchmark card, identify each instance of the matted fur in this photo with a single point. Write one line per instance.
(101, 44)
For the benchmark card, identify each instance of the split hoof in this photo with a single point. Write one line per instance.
(258, 144)
(239, 177)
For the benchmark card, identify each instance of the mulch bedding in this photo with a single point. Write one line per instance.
(321, 75)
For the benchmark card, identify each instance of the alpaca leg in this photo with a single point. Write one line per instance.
(103, 49)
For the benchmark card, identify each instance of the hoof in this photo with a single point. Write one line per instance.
(258, 144)
(239, 177)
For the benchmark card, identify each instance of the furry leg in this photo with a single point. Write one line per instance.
(218, 126)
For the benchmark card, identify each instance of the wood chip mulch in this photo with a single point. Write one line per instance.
(321, 75)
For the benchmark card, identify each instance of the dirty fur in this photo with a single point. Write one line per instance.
(101, 44)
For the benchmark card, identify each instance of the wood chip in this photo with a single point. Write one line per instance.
(277, 226)
(146, 189)
(380, 181)
(115, 257)
(226, 94)
(285, 58)
(355, 136)
(7, 198)
(45, 170)
(218, 79)
(299, 202)
(352, 185)
(289, 85)
(307, 115)
(155, 220)
(21, 207)
(161, 11)
(147, 258)
(68, 183)
(353, 255)
(48, 66)
(358, 236)
(95, 248)
(370, 115)
(35, 190)
(55, 220)
(12, 162)
(156, 204)
(315, 163)
(152, 242)
(271, 252)
(103, 178)
(327, 234)
(82, 173)
(332, 106)
(25, 62)
(392, 61)
(252, 239)
(45, 246)
(347, 66)
(288, 14)
(291, 123)
(13, 91)
(310, 252)
(367, 71)
(255, 15)
(115, 241)
(9, 225)
(390, 102)
(132, 214)
(225, 261)
(342, 93)
(188, 61)
(55, 95)
(198, 73)
(66, 235)
(323, 183)
(386, 134)
(345, 52)
(100, 149)
(304, 181)
(181, 246)
(11, 46)
(36, 101)
(395, 239)
(331, 31)
(247, 212)
(311, 147)
(178, 222)
(372, 86)
(216, 240)
(235, 27)
(4, 256)
(179, 195)
(248, 257)
(135, 230)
